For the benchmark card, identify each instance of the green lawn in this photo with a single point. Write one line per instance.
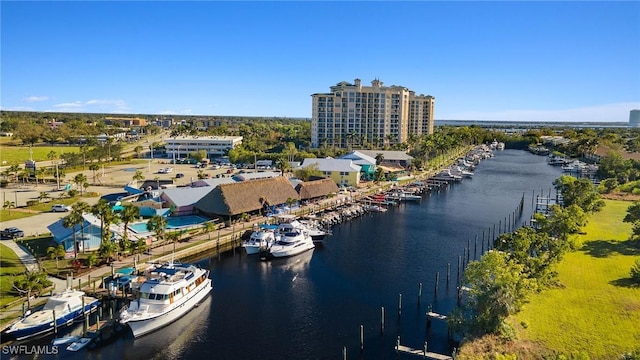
(18, 154)
(598, 310)
(9, 265)
(6, 215)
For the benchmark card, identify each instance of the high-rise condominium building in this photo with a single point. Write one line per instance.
(634, 118)
(369, 116)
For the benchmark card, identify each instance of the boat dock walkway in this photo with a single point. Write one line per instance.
(422, 352)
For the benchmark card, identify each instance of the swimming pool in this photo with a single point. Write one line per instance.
(172, 223)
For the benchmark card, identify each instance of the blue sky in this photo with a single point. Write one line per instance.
(554, 61)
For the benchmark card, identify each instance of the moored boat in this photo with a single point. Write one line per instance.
(259, 240)
(63, 308)
(291, 243)
(169, 292)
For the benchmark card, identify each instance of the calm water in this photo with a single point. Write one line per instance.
(312, 305)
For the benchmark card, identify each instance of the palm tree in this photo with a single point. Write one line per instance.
(70, 221)
(174, 237)
(94, 168)
(81, 208)
(8, 205)
(80, 180)
(138, 176)
(208, 228)
(138, 150)
(158, 224)
(103, 210)
(33, 281)
(379, 158)
(128, 214)
(43, 196)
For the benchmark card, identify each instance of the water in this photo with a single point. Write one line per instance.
(312, 305)
(172, 223)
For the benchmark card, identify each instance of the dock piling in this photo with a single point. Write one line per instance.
(419, 294)
(382, 321)
(399, 305)
(448, 273)
(361, 338)
(436, 286)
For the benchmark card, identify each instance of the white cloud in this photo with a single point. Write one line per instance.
(94, 105)
(617, 112)
(36, 98)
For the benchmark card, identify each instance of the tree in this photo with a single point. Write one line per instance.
(208, 228)
(580, 192)
(307, 172)
(56, 252)
(497, 289)
(138, 176)
(158, 224)
(562, 221)
(70, 222)
(8, 205)
(80, 208)
(138, 150)
(43, 196)
(107, 250)
(80, 179)
(633, 216)
(104, 212)
(379, 158)
(173, 237)
(128, 214)
(91, 260)
(94, 167)
(32, 282)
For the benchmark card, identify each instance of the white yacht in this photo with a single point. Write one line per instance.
(169, 292)
(291, 243)
(289, 223)
(63, 308)
(260, 239)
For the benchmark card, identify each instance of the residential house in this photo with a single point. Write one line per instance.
(343, 171)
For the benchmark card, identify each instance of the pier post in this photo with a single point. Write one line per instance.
(94, 287)
(459, 295)
(448, 273)
(419, 294)
(79, 284)
(482, 246)
(459, 261)
(475, 248)
(110, 310)
(86, 325)
(468, 250)
(361, 338)
(99, 312)
(55, 323)
(494, 234)
(397, 345)
(344, 353)
(89, 280)
(23, 310)
(499, 227)
(382, 321)
(436, 286)
(103, 284)
(399, 305)
(424, 351)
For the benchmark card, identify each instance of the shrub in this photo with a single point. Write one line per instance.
(635, 272)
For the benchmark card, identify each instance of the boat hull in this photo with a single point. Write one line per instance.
(286, 251)
(145, 326)
(21, 333)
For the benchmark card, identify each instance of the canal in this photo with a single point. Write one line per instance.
(312, 306)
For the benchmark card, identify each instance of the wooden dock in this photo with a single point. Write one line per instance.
(423, 353)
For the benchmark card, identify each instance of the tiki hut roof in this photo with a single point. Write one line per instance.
(316, 188)
(246, 196)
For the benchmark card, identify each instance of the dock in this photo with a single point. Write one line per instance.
(423, 353)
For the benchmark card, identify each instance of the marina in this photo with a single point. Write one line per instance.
(322, 297)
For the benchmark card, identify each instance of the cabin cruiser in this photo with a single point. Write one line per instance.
(289, 223)
(293, 242)
(261, 239)
(169, 292)
(63, 308)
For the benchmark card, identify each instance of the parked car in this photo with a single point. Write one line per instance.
(60, 208)
(179, 175)
(12, 233)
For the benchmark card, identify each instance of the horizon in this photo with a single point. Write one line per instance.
(491, 61)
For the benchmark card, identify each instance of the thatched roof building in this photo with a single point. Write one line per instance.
(246, 196)
(317, 188)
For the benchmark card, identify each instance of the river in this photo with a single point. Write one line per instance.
(312, 306)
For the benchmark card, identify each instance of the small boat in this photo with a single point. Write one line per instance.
(63, 308)
(79, 344)
(169, 291)
(65, 340)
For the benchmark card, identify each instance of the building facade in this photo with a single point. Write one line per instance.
(363, 116)
(216, 146)
(634, 118)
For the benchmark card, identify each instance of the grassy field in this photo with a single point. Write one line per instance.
(598, 310)
(18, 154)
(9, 265)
